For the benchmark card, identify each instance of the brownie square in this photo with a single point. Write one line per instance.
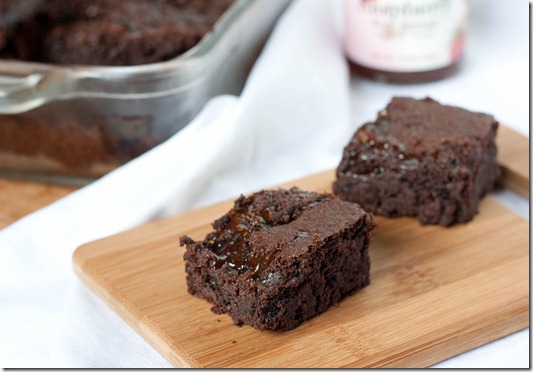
(421, 159)
(278, 258)
(104, 32)
(125, 33)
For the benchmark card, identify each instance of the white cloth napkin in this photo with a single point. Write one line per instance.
(292, 119)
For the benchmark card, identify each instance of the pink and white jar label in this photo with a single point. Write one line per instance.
(405, 35)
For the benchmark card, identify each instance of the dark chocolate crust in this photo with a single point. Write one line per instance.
(104, 32)
(279, 258)
(421, 159)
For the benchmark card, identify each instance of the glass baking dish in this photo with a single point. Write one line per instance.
(72, 124)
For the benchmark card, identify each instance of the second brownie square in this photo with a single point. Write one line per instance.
(422, 159)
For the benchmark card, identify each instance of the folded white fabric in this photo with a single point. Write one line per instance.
(291, 120)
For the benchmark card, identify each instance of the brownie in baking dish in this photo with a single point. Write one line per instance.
(279, 258)
(105, 32)
(126, 33)
(421, 159)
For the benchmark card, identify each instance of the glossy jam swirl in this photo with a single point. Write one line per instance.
(230, 242)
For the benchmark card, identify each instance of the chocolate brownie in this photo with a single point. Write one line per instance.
(279, 258)
(105, 32)
(77, 147)
(13, 37)
(422, 159)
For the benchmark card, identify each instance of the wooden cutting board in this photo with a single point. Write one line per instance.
(513, 156)
(435, 292)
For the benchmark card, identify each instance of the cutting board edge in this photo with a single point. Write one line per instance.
(512, 146)
(447, 347)
(515, 181)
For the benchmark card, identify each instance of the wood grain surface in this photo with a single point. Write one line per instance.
(19, 198)
(435, 292)
(513, 156)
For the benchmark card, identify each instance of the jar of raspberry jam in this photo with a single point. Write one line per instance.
(405, 41)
